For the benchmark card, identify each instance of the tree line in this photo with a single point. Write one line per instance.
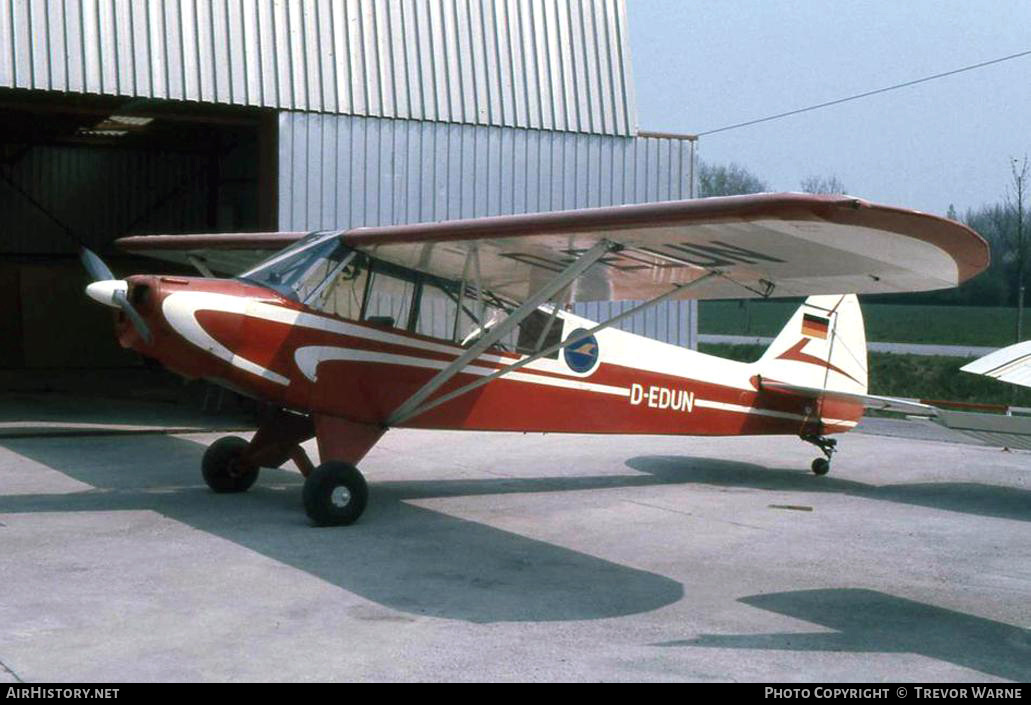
(1005, 224)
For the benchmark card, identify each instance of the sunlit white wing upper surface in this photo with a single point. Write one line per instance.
(763, 244)
(1010, 364)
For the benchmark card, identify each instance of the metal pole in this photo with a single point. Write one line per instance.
(1020, 313)
(461, 296)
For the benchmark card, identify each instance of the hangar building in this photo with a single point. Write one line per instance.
(122, 117)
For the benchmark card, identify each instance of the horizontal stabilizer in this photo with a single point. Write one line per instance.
(999, 430)
(870, 401)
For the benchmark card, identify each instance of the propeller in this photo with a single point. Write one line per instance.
(95, 266)
(110, 291)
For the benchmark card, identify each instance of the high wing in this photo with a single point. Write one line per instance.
(1010, 364)
(229, 253)
(757, 245)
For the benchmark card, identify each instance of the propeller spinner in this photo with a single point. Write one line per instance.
(111, 292)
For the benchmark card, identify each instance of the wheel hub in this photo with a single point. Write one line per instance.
(237, 468)
(340, 497)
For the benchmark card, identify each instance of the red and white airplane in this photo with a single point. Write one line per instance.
(462, 325)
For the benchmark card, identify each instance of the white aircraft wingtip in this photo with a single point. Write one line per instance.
(1010, 364)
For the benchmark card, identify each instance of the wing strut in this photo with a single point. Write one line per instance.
(201, 266)
(506, 326)
(572, 340)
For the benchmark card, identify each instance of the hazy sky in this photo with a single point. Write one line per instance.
(703, 65)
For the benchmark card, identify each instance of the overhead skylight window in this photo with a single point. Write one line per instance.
(130, 120)
(97, 132)
(116, 126)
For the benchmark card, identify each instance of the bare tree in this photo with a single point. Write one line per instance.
(822, 184)
(727, 180)
(1012, 222)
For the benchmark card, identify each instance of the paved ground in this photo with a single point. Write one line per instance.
(898, 348)
(25, 414)
(493, 556)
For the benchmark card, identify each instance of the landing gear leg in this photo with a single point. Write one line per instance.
(232, 464)
(335, 493)
(821, 466)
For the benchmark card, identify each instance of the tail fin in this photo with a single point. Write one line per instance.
(823, 346)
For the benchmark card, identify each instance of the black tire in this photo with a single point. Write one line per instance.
(335, 494)
(222, 469)
(821, 466)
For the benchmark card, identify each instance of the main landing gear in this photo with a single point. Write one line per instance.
(334, 494)
(821, 466)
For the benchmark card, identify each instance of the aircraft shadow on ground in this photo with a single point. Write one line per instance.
(875, 622)
(400, 556)
(421, 561)
(964, 497)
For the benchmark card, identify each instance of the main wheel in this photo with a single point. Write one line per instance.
(821, 466)
(335, 494)
(223, 469)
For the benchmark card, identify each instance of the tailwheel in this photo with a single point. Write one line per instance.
(829, 446)
(335, 494)
(223, 466)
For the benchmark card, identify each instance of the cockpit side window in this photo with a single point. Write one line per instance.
(480, 314)
(539, 331)
(389, 302)
(438, 306)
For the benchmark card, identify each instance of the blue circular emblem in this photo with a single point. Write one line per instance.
(582, 355)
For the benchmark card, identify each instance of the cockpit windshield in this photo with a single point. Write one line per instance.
(304, 269)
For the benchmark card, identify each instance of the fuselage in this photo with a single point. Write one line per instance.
(262, 344)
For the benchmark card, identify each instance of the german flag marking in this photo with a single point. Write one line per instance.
(815, 326)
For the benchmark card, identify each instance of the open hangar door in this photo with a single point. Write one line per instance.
(91, 169)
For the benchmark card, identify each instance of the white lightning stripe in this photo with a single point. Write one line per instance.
(180, 310)
(184, 305)
(739, 409)
(308, 359)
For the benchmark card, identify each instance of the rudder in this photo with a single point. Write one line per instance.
(823, 346)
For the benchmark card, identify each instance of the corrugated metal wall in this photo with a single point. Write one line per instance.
(342, 171)
(98, 194)
(548, 64)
